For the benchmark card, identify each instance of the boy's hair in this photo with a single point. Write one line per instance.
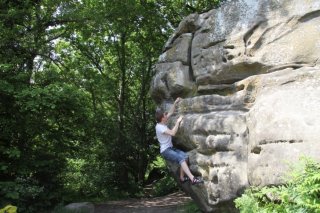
(159, 115)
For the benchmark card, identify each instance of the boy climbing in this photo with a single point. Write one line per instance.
(168, 152)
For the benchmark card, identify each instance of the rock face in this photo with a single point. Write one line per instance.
(249, 76)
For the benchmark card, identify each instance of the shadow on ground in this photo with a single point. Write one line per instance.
(165, 204)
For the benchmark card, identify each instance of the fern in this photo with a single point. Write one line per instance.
(300, 194)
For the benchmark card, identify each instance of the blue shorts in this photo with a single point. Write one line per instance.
(174, 155)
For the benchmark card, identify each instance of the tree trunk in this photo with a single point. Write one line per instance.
(122, 148)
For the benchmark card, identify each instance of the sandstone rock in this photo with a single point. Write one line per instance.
(179, 51)
(172, 80)
(283, 123)
(248, 73)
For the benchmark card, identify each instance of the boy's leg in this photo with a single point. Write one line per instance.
(181, 173)
(175, 155)
(184, 169)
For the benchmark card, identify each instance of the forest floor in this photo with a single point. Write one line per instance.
(167, 204)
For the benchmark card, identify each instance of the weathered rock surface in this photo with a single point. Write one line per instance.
(249, 76)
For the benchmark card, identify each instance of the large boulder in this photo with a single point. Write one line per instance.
(249, 76)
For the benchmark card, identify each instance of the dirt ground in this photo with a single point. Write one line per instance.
(166, 204)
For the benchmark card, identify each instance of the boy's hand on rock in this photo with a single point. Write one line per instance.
(177, 100)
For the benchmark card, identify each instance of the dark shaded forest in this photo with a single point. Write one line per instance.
(76, 117)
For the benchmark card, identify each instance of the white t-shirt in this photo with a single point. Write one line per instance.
(165, 140)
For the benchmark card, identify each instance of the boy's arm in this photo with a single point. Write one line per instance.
(174, 130)
(171, 111)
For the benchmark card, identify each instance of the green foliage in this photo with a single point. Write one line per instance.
(53, 124)
(76, 117)
(157, 163)
(176, 10)
(9, 209)
(301, 193)
(165, 186)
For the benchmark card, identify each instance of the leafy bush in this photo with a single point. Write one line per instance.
(165, 183)
(301, 193)
(9, 209)
(165, 186)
